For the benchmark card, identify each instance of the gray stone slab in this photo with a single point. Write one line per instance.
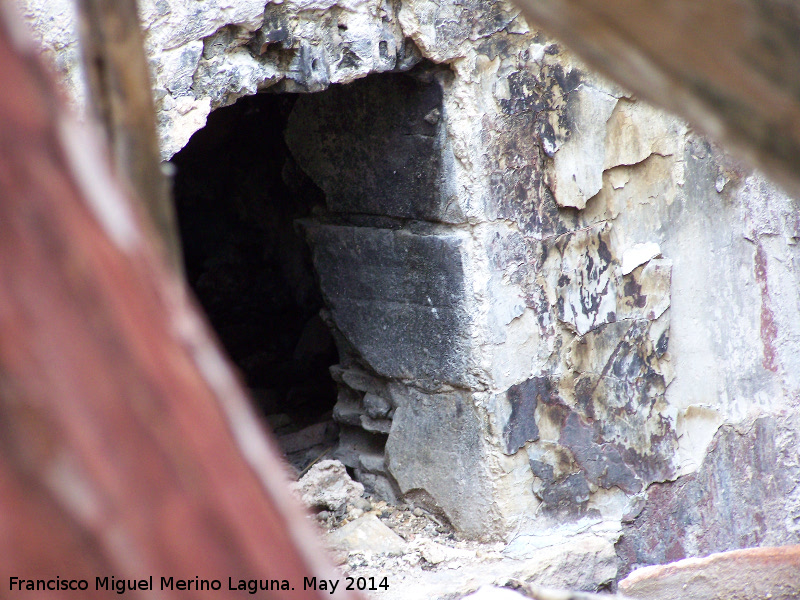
(397, 297)
(375, 146)
(436, 446)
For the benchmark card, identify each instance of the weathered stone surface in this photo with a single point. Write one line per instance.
(561, 495)
(375, 425)
(645, 50)
(494, 593)
(521, 425)
(173, 23)
(443, 31)
(246, 45)
(380, 486)
(348, 408)
(744, 494)
(358, 379)
(398, 297)
(520, 137)
(376, 146)
(436, 444)
(376, 406)
(601, 330)
(645, 291)
(586, 285)
(635, 131)
(637, 255)
(750, 574)
(579, 160)
(580, 561)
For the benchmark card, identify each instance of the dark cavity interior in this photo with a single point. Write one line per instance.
(246, 203)
(238, 193)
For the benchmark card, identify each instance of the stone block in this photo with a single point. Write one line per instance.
(354, 442)
(437, 445)
(380, 486)
(376, 406)
(361, 381)
(367, 534)
(398, 298)
(327, 485)
(375, 147)
(376, 425)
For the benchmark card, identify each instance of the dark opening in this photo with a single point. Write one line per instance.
(238, 193)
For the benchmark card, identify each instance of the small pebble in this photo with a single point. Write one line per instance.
(418, 512)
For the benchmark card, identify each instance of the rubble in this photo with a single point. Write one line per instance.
(488, 592)
(366, 535)
(327, 485)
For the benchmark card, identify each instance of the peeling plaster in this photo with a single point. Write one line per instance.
(638, 255)
(695, 427)
(578, 161)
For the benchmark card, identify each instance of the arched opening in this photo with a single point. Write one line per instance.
(239, 193)
(359, 172)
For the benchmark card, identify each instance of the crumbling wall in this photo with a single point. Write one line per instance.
(553, 302)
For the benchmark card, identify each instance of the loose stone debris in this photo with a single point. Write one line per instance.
(494, 593)
(421, 556)
(418, 556)
(367, 534)
(326, 486)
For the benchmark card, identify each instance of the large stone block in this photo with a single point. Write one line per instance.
(398, 297)
(437, 446)
(376, 146)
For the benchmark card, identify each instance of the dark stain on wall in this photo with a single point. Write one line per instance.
(521, 426)
(375, 146)
(740, 497)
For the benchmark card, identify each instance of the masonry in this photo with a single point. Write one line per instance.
(552, 303)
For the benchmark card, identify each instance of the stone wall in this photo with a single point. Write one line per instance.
(554, 303)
